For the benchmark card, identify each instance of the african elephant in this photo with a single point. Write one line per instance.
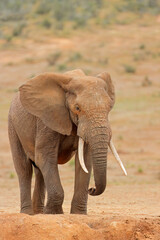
(53, 117)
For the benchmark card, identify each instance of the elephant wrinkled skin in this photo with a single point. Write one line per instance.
(46, 119)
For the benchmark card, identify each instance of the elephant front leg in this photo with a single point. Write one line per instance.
(54, 190)
(55, 193)
(80, 198)
(46, 154)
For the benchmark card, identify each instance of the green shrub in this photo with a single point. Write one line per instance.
(43, 8)
(61, 67)
(129, 69)
(79, 23)
(75, 57)
(72, 162)
(140, 170)
(142, 46)
(12, 175)
(9, 64)
(8, 38)
(18, 30)
(46, 23)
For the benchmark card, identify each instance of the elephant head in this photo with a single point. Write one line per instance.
(63, 101)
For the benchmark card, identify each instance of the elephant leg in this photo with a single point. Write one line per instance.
(46, 158)
(39, 192)
(55, 193)
(23, 168)
(79, 201)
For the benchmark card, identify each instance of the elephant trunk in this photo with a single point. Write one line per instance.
(99, 147)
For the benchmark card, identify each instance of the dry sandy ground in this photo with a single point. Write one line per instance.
(130, 206)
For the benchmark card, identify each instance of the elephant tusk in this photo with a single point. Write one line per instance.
(80, 154)
(114, 151)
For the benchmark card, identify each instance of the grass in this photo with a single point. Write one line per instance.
(17, 31)
(32, 75)
(146, 82)
(11, 175)
(140, 169)
(129, 69)
(9, 64)
(53, 58)
(141, 56)
(61, 67)
(142, 46)
(30, 60)
(137, 102)
(8, 38)
(75, 57)
(46, 23)
(72, 162)
(120, 137)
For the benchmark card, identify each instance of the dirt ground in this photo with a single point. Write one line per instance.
(130, 206)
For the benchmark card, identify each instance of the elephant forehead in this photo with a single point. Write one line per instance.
(95, 100)
(87, 82)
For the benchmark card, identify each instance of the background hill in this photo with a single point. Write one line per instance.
(20, 17)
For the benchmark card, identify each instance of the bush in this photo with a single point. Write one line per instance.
(142, 46)
(18, 30)
(43, 8)
(129, 69)
(53, 58)
(75, 57)
(140, 169)
(146, 82)
(8, 38)
(46, 23)
(79, 23)
(61, 67)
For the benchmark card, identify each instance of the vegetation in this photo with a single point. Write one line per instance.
(146, 82)
(53, 58)
(61, 15)
(140, 170)
(75, 57)
(129, 69)
(12, 175)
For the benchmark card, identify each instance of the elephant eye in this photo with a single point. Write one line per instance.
(77, 108)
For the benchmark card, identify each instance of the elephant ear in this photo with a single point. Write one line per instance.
(44, 97)
(110, 87)
(75, 73)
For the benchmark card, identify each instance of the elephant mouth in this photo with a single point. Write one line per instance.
(113, 150)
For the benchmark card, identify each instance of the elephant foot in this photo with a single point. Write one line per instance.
(38, 211)
(27, 211)
(78, 210)
(55, 210)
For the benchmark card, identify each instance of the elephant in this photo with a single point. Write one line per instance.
(53, 117)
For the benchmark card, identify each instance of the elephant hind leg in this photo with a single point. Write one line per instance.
(24, 170)
(39, 192)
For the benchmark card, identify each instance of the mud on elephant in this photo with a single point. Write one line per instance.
(53, 117)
